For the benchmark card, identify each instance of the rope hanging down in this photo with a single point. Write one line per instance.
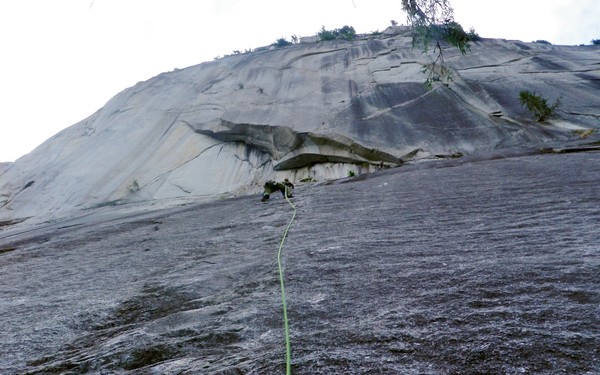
(288, 350)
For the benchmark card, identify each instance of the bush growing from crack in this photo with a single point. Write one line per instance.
(538, 105)
(351, 173)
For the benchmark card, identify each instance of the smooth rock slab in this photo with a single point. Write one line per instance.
(314, 110)
(456, 267)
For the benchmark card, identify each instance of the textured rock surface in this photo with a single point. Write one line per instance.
(320, 109)
(455, 267)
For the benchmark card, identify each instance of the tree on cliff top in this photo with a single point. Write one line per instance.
(432, 23)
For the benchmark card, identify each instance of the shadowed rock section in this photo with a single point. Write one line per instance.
(290, 150)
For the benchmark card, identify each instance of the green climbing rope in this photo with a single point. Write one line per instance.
(288, 348)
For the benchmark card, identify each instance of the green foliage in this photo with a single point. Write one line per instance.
(541, 41)
(432, 23)
(281, 42)
(538, 105)
(351, 173)
(428, 12)
(596, 42)
(449, 32)
(473, 36)
(325, 35)
(345, 33)
(308, 179)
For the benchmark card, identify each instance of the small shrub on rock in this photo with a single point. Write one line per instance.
(473, 36)
(281, 42)
(345, 33)
(325, 35)
(538, 105)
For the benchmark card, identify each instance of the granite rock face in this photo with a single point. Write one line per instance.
(309, 110)
(454, 267)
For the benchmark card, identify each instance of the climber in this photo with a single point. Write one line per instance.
(272, 186)
(288, 186)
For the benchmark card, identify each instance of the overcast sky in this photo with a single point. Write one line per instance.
(64, 59)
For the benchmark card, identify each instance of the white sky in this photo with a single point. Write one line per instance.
(64, 59)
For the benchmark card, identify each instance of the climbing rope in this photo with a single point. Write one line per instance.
(288, 349)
